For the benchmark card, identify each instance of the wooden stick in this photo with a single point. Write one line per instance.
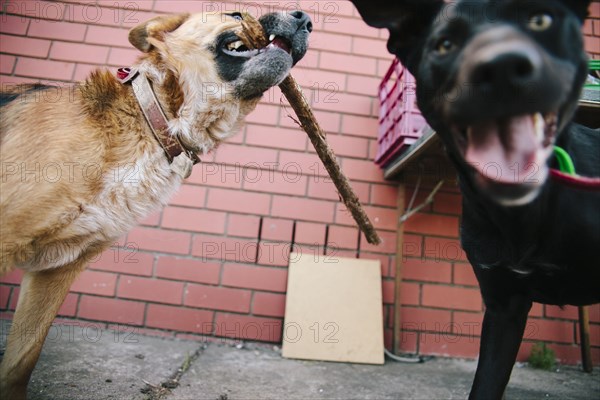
(253, 37)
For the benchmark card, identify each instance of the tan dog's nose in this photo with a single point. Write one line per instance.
(303, 20)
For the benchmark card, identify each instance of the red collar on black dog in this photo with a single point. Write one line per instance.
(576, 181)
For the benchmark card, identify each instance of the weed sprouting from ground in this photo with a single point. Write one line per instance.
(542, 357)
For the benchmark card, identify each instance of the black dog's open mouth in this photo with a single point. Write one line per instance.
(509, 154)
(236, 47)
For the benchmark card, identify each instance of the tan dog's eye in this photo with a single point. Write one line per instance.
(540, 22)
(237, 16)
(444, 46)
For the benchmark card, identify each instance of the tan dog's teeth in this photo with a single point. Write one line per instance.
(235, 45)
(271, 38)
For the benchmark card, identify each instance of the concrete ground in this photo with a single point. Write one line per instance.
(82, 363)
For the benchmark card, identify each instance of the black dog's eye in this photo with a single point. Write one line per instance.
(237, 16)
(444, 46)
(540, 22)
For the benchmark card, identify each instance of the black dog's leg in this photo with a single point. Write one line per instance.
(503, 327)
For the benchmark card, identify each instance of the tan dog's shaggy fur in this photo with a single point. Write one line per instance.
(80, 171)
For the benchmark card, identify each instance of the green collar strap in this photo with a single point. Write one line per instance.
(565, 163)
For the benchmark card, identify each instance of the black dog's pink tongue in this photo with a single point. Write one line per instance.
(503, 150)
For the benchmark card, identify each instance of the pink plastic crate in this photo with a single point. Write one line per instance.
(400, 121)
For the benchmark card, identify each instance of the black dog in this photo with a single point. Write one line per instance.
(499, 81)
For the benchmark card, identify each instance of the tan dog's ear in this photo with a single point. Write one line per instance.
(151, 32)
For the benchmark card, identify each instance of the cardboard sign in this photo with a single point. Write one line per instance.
(333, 310)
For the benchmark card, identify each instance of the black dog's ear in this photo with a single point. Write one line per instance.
(579, 7)
(407, 20)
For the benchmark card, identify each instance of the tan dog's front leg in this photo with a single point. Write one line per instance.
(42, 294)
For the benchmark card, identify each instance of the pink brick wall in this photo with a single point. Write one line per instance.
(214, 261)
(591, 31)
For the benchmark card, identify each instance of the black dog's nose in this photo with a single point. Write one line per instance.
(514, 69)
(303, 19)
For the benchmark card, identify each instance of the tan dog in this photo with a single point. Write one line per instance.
(79, 171)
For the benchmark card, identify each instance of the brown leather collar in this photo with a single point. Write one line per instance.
(154, 114)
